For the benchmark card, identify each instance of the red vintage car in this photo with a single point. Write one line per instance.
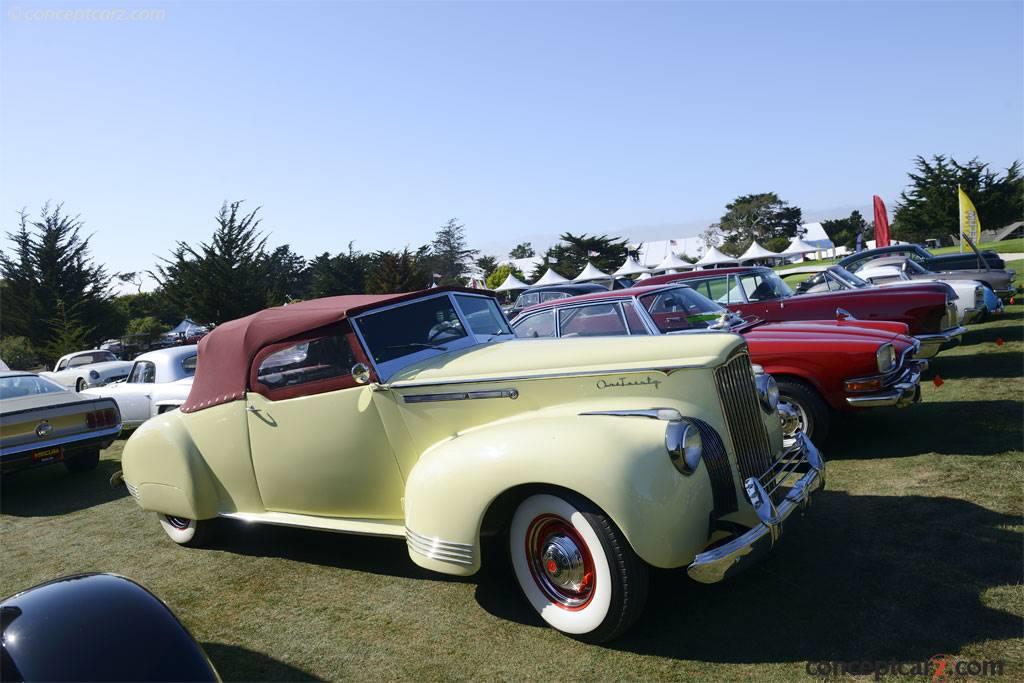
(820, 366)
(927, 308)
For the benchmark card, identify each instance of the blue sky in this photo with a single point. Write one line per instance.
(376, 122)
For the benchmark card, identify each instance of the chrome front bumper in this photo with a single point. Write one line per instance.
(728, 559)
(906, 390)
(931, 344)
(971, 315)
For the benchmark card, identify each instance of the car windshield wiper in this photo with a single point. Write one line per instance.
(414, 345)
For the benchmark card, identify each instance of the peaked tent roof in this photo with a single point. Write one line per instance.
(591, 272)
(714, 257)
(511, 284)
(798, 247)
(629, 267)
(673, 262)
(756, 251)
(550, 278)
(186, 326)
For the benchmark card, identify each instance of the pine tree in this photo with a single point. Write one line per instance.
(448, 253)
(391, 272)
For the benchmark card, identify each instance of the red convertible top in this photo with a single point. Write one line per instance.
(225, 354)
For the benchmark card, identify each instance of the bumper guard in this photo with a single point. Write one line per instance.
(931, 344)
(712, 566)
(906, 390)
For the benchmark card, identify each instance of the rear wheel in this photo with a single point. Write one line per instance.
(811, 409)
(84, 461)
(576, 568)
(188, 532)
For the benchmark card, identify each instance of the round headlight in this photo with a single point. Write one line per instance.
(886, 357)
(684, 445)
(93, 375)
(767, 391)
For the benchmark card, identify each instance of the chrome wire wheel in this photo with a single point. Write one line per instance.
(560, 563)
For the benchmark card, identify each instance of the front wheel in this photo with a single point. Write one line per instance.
(188, 532)
(80, 385)
(576, 568)
(812, 411)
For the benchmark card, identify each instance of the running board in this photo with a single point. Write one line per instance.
(364, 527)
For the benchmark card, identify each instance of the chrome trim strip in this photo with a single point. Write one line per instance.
(74, 438)
(437, 549)
(462, 396)
(667, 414)
(666, 370)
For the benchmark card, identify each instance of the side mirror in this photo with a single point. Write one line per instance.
(361, 373)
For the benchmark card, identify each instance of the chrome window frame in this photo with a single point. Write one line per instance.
(386, 370)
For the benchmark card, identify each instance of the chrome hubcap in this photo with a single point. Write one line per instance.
(559, 561)
(797, 419)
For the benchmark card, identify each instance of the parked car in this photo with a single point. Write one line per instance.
(927, 308)
(820, 366)
(1001, 282)
(84, 369)
(159, 381)
(535, 295)
(41, 423)
(970, 295)
(96, 627)
(946, 262)
(419, 416)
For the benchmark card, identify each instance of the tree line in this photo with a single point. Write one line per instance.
(54, 298)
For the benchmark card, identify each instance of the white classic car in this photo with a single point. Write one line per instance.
(976, 299)
(159, 381)
(82, 369)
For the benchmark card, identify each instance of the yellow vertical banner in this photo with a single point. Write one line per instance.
(970, 223)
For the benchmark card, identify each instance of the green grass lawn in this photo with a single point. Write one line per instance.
(914, 549)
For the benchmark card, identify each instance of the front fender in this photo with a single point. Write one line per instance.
(618, 463)
(166, 472)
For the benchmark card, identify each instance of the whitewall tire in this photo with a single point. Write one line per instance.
(575, 567)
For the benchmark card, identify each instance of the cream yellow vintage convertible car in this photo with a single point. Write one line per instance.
(420, 416)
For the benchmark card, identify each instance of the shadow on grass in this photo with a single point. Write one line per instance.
(978, 365)
(52, 490)
(980, 428)
(239, 664)
(370, 554)
(862, 578)
(992, 330)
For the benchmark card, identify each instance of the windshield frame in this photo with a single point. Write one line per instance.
(846, 277)
(387, 369)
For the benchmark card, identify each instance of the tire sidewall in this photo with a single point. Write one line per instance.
(579, 621)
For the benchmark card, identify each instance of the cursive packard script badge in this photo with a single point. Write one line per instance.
(623, 382)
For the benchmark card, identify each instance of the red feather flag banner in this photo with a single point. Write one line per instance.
(881, 223)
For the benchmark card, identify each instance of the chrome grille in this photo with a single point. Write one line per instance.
(716, 459)
(742, 411)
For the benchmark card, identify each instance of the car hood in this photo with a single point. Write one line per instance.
(535, 358)
(821, 331)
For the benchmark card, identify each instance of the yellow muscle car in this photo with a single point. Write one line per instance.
(420, 416)
(42, 422)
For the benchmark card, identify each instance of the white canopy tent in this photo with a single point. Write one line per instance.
(550, 278)
(714, 257)
(512, 284)
(798, 247)
(643, 276)
(629, 267)
(671, 264)
(590, 273)
(756, 251)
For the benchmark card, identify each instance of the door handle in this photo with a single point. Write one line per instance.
(253, 409)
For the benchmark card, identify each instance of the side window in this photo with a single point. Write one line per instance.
(188, 365)
(536, 325)
(308, 361)
(598, 320)
(143, 372)
(718, 290)
(528, 299)
(633, 321)
(552, 296)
